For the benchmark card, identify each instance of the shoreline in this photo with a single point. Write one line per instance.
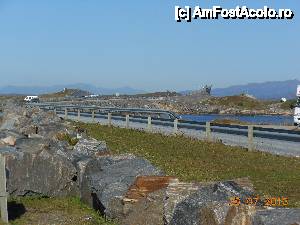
(237, 114)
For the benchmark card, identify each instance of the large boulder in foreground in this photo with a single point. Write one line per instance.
(48, 167)
(165, 200)
(108, 177)
(195, 208)
(40, 173)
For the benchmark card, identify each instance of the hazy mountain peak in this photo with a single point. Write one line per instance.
(265, 90)
(37, 90)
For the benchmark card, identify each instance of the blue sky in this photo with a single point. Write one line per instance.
(139, 44)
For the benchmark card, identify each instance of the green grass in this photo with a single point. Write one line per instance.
(237, 101)
(193, 160)
(289, 104)
(52, 211)
(230, 121)
(60, 94)
(66, 137)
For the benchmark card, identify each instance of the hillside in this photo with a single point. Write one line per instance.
(237, 101)
(66, 93)
(37, 90)
(266, 90)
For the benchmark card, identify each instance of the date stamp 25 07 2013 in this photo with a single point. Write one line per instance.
(253, 201)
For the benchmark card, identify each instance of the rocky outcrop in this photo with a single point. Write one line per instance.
(31, 121)
(165, 200)
(40, 163)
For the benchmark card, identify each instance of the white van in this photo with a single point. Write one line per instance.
(297, 109)
(31, 98)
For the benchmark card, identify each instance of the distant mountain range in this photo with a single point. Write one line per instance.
(37, 90)
(266, 90)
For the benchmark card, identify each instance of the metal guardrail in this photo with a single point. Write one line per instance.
(116, 110)
(114, 114)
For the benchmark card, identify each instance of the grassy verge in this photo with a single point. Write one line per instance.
(289, 104)
(34, 210)
(193, 160)
(230, 122)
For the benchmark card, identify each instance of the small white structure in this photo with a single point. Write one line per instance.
(298, 91)
(117, 94)
(283, 100)
(91, 96)
(297, 108)
(31, 98)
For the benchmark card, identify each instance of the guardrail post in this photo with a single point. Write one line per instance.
(127, 121)
(109, 119)
(78, 116)
(149, 125)
(208, 131)
(250, 137)
(3, 194)
(93, 116)
(66, 113)
(175, 126)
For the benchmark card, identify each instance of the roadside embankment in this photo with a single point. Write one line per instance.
(141, 178)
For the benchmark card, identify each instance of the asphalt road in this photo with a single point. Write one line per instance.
(273, 146)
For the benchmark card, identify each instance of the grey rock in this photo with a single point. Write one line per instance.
(40, 173)
(190, 210)
(176, 192)
(108, 177)
(8, 122)
(31, 121)
(148, 211)
(10, 140)
(90, 147)
(277, 216)
(234, 215)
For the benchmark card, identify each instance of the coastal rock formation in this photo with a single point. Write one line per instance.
(31, 121)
